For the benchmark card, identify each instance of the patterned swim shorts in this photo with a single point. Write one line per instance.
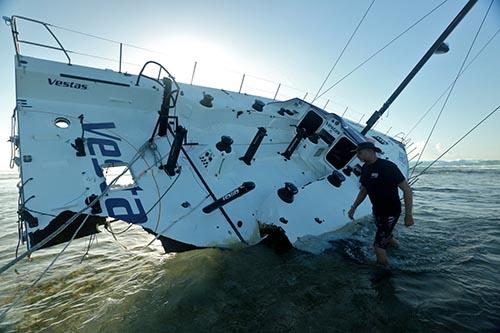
(385, 225)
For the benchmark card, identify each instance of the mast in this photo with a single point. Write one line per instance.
(377, 114)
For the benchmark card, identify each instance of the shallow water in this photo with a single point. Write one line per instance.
(446, 275)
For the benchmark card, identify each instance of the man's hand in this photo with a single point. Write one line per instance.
(359, 199)
(350, 213)
(408, 197)
(409, 220)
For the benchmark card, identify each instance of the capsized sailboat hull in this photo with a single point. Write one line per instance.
(78, 127)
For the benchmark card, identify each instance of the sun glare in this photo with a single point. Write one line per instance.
(216, 64)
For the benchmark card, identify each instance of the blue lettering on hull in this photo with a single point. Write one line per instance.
(107, 146)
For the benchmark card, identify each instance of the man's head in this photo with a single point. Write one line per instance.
(366, 152)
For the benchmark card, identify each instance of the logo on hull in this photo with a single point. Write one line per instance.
(67, 84)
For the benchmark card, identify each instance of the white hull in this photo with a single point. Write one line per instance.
(119, 118)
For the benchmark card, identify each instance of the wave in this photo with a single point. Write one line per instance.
(460, 170)
(489, 164)
(483, 167)
(442, 189)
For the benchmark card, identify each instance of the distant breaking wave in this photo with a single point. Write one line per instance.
(460, 164)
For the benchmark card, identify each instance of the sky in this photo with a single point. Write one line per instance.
(291, 44)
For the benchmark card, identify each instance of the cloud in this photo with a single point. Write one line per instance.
(431, 152)
(439, 148)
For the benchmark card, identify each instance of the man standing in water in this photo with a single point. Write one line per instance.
(380, 180)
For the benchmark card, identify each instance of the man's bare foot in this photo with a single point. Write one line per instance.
(381, 256)
(394, 242)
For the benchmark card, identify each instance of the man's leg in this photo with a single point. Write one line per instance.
(381, 256)
(383, 237)
(383, 271)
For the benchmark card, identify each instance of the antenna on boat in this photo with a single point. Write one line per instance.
(438, 47)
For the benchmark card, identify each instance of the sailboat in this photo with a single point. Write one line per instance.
(195, 166)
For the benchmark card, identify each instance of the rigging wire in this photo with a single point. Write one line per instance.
(136, 157)
(87, 248)
(125, 44)
(381, 49)
(102, 58)
(108, 40)
(452, 86)
(84, 34)
(177, 220)
(343, 50)
(165, 54)
(415, 178)
(444, 92)
(158, 160)
(72, 219)
(38, 212)
(139, 153)
(110, 230)
(149, 167)
(164, 193)
(20, 296)
(5, 267)
(151, 145)
(114, 233)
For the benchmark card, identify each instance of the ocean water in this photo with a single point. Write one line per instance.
(446, 275)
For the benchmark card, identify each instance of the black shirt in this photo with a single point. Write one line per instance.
(381, 181)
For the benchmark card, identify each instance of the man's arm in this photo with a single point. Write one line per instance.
(359, 199)
(408, 199)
